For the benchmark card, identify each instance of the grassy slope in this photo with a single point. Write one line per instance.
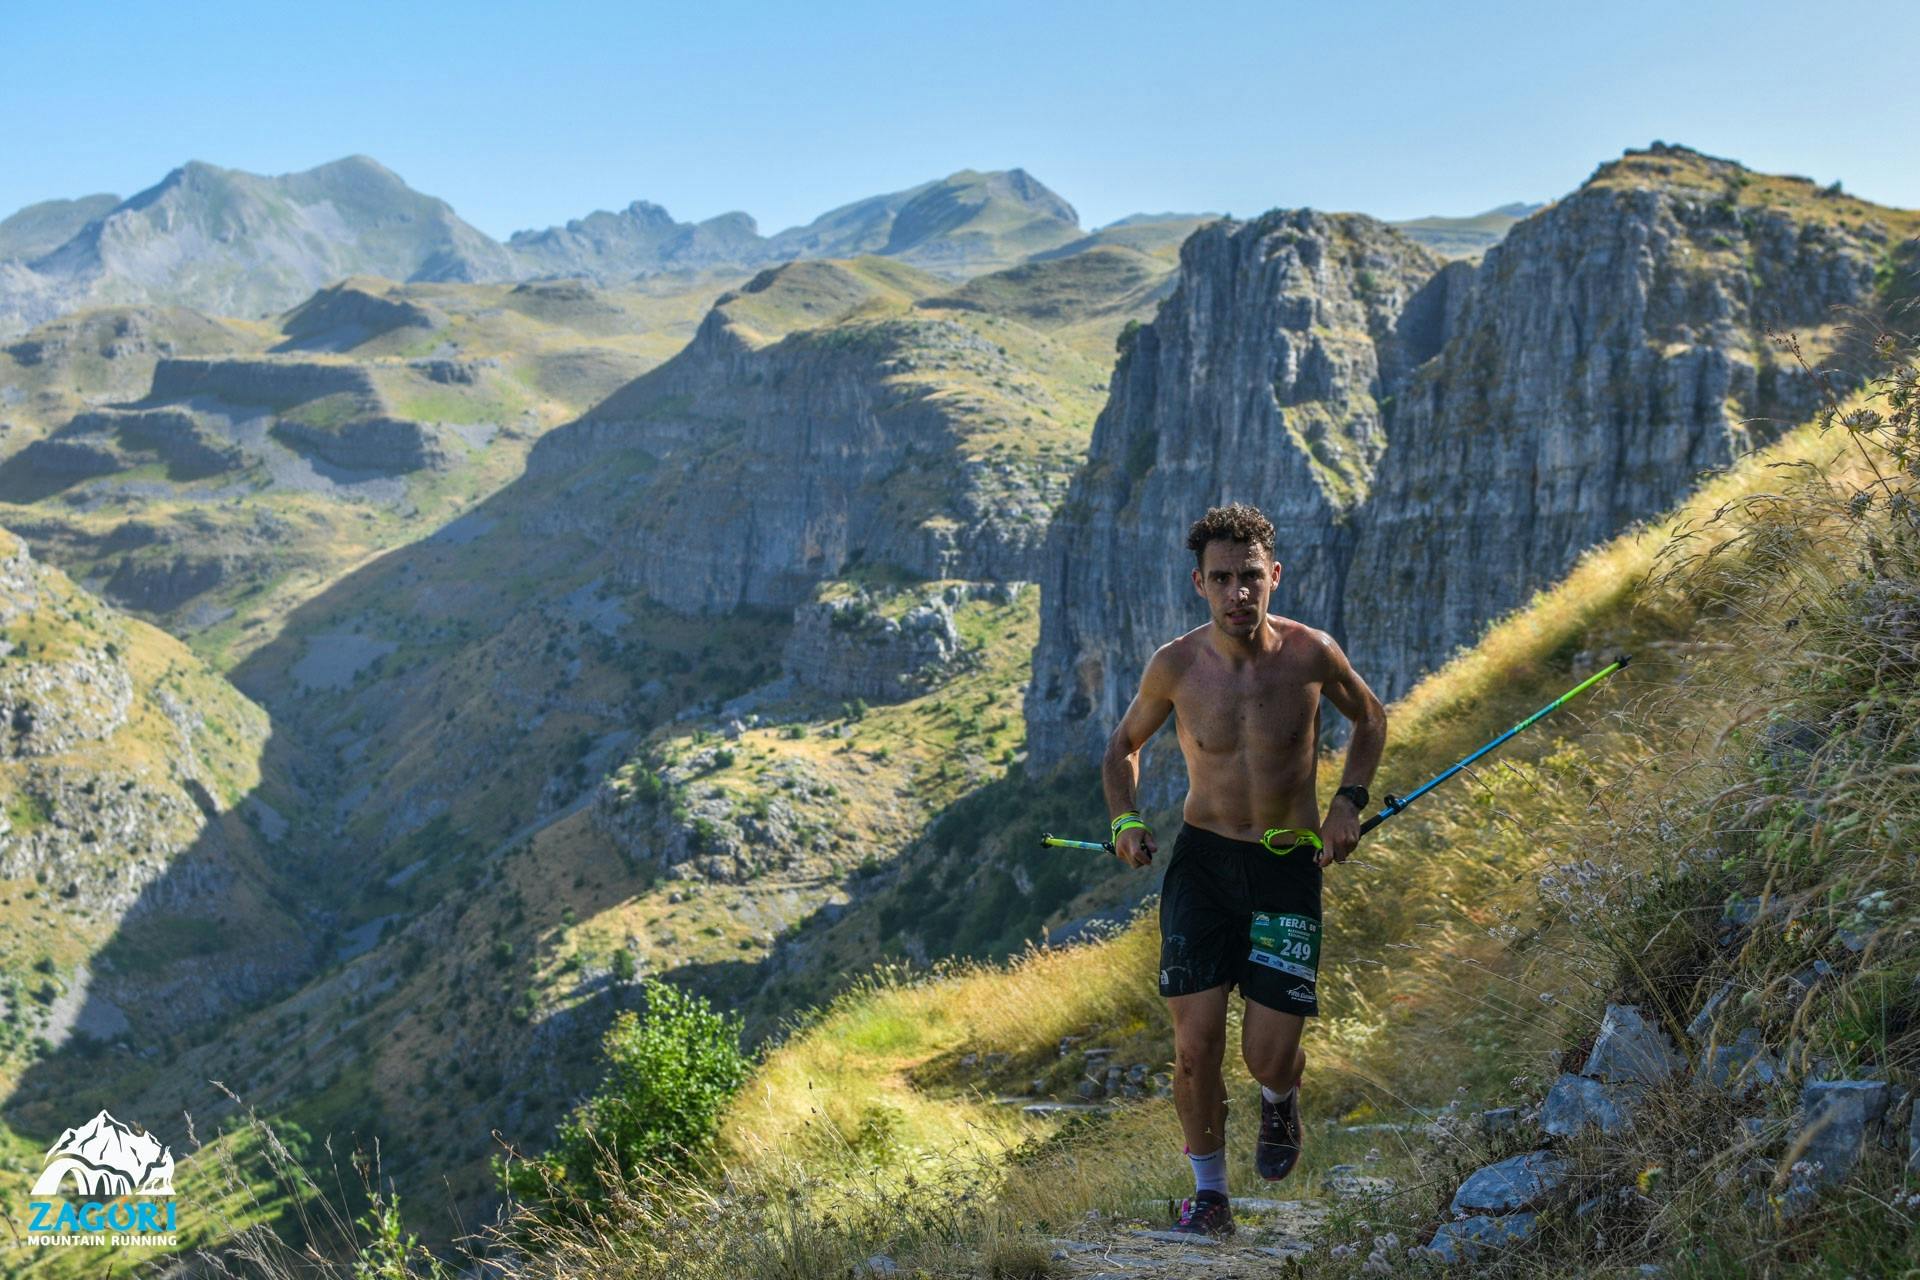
(44, 939)
(1426, 996)
(561, 349)
(565, 899)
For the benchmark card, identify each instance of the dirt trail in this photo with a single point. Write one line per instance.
(1267, 1234)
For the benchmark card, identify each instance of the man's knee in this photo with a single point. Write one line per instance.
(1199, 1044)
(1272, 1056)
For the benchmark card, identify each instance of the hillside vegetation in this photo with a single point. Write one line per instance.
(1756, 749)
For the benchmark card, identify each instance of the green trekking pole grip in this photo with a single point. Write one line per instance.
(1051, 841)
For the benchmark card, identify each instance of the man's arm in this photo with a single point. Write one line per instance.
(1120, 766)
(1350, 695)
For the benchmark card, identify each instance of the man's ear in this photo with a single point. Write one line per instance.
(1197, 588)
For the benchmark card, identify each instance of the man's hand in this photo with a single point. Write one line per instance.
(1339, 833)
(1135, 846)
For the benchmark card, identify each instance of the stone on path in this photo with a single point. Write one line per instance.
(1499, 1119)
(1740, 1067)
(1464, 1239)
(1631, 1049)
(1575, 1102)
(1834, 1119)
(1519, 1182)
(1347, 1180)
(1179, 1237)
(1702, 1025)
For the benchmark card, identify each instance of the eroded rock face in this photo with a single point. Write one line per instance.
(1600, 358)
(1453, 437)
(49, 707)
(842, 647)
(670, 820)
(780, 465)
(1261, 380)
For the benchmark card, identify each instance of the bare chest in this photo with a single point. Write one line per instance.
(1261, 709)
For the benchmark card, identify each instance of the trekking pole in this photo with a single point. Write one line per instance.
(1394, 804)
(1052, 841)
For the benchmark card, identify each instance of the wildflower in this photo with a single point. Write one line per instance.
(1649, 1179)
(1340, 1251)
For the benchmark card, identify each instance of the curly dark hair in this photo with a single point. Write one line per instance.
(1238, 522)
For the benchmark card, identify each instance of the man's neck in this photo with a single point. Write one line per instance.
(1237, 649)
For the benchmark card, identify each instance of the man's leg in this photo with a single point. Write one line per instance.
(1270, 1043)
(1199, 1045)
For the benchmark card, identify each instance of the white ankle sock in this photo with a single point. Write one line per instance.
(1271, 1096)
(1209, 1171)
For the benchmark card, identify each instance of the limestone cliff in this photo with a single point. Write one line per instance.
(122, 762)
(814, 424)
(1434, 445)
(1261, 379)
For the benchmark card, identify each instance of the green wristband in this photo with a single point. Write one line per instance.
(1130, 824)
(1114, 826)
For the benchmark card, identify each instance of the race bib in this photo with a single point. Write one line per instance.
(1288, 943)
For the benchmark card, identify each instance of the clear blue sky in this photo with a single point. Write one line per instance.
(526, 115)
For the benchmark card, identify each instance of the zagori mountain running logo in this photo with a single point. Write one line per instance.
(91, 1168)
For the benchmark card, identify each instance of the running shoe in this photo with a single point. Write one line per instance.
(1279, 1146)
(1205, 1213)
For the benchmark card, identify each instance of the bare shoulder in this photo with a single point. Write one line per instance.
(1322, 650)
(1171, 660)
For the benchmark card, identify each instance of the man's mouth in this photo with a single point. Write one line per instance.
(1239, 615)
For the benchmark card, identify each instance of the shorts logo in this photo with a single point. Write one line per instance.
(1305, 993)
(104, 1162)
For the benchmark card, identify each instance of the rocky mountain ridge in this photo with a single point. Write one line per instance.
(1452, 434)
(239, 244)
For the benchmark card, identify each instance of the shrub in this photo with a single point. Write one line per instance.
(669, 1074)
(624, 967)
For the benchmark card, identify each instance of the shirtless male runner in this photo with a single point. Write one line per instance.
(1241, 901)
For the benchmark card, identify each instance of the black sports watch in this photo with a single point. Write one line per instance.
(1355, 793)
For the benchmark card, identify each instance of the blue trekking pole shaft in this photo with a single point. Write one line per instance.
(1394, 804)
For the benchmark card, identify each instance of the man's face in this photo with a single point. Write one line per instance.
(1236, 578)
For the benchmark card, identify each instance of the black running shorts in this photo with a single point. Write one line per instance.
(1233, 914)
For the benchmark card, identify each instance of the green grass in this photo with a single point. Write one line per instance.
(1438, 939)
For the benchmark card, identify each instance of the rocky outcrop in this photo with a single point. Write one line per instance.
(847, 648)
(74, 457)
(829, 447)
(178, 437)
(1605, 354)
(347, 314)
(85, 812)
(162, 585)
(370, 444)
(1454, 436)
(654, 813)
(273, 383)
(47, 707)
(1261, 379)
